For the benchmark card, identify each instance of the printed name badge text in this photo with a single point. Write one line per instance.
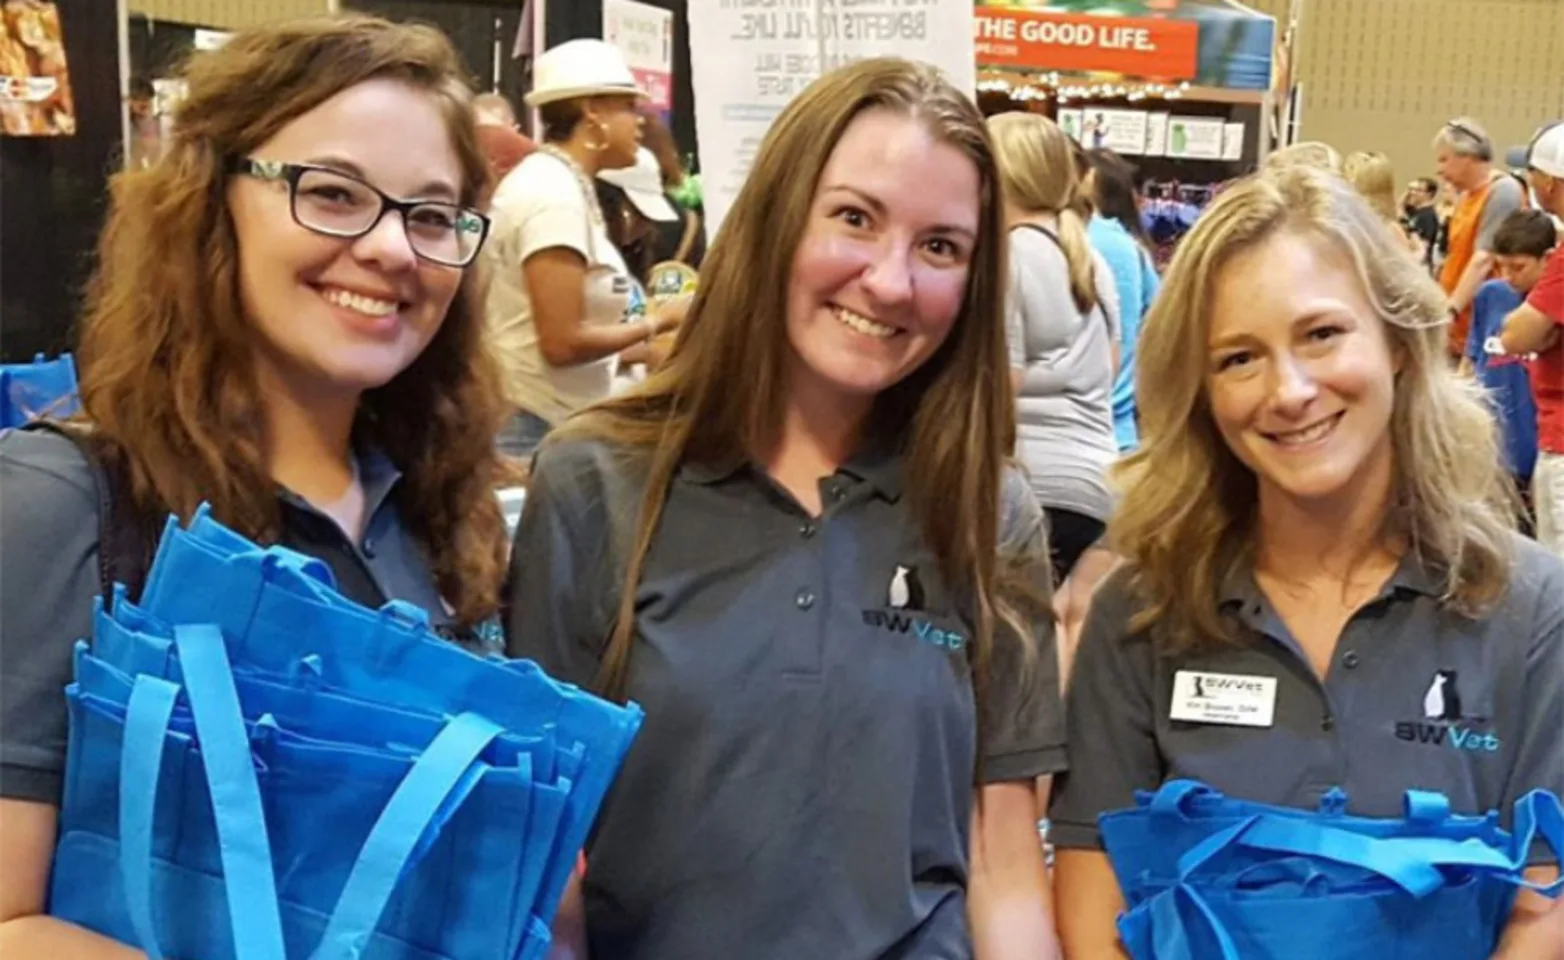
(1225, 698)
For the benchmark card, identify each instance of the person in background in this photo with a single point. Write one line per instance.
(638, 209)
(1520, 249)
(1534, 328)
(1317, 500)
(802, 547)
(499, 136)
(1062, 324)
(1420, 218)
(1464, 157)
(282, 325)
(1116, 232)
(560, 298)
(1306, 153)
(688, 233)
(1374, 178)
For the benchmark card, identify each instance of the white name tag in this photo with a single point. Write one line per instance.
(1226, 698)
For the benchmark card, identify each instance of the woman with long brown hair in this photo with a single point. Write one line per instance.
(799, 547)
(281, 325)
(1322, 586)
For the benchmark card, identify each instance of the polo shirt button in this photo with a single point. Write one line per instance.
(804, 600)
(1327, 723)
(807, 530)
(369, 547)
(838, 492)
(1350, 660)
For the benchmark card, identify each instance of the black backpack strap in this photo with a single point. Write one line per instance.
(1039, 228)
(124, 547)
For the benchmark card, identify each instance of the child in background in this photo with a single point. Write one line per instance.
(1520, 247)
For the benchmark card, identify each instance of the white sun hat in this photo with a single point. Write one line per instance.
(642, 182)
(581, 68)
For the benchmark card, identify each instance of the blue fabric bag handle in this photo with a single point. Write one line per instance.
(243, 844)
(444, 774)
(400, 831)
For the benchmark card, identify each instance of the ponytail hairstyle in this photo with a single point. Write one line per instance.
(1037, 168)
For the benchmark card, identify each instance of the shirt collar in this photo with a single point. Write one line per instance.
(878, 463)
(376, 473)
(1412, 576)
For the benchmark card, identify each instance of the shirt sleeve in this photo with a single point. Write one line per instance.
(1547, 297)
(559, 601)
(549, 209)
(1108, 296)
(1504, 198)
(1482, 305)
(48, 579)
(1015, 321)
(1023, 713)
(1110, 715)
(1047, 310)
(1539, 762)
(1151, 282)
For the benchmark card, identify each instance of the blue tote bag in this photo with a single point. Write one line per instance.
(43, 388)
(298, 776)
(1206, 877)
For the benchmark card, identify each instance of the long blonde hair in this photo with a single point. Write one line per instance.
(1037, 167)
(720, 395)
(166, 349)
(1186, 520)
(1372, 176)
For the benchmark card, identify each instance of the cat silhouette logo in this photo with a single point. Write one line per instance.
(1443, 699)
(906, 591)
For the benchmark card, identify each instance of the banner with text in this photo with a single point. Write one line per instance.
(644, 34)
(1131, 47)
(750, 57)
(1210, 43)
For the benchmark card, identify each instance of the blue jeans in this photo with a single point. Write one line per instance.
(521, 434)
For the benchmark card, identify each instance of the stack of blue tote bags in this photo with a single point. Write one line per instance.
(1208, 877)
(261, 769)
(43, 388)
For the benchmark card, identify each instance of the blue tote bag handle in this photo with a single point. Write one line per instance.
(443, 776)
(243, 845)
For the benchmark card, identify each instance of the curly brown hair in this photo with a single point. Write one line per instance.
(165, 351)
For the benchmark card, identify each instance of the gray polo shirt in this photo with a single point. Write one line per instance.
(803, 783)
(49, 577)
(1415, 697)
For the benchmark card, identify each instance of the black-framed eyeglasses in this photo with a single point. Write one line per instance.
(338, 204)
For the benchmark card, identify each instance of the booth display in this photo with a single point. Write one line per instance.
(1182, 88)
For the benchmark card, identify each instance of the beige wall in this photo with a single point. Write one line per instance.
(1384, 74)
(228, 14)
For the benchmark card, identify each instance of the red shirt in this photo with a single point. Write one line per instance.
(1547, 372)
(503, 148)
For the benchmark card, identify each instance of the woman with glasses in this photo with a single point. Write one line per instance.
(563, 308)
(281, 325)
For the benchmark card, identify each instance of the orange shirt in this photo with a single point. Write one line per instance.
(1464, 223)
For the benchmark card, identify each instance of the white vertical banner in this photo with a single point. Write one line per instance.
(749, 59)
(644, 34)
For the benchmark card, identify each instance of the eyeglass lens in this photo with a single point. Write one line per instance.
(335, 204)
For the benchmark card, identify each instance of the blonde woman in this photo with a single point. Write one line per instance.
(1306, 153)
(1061, 320)
(1375, 179)
(1316, 506)
(786, 546)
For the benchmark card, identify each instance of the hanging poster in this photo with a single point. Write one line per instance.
(35, 87)
(1233, 141)
(1195, 138)
(644, 34)
(1070, 122)
(1156, 134)
(1122, 131)
(749, 60)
